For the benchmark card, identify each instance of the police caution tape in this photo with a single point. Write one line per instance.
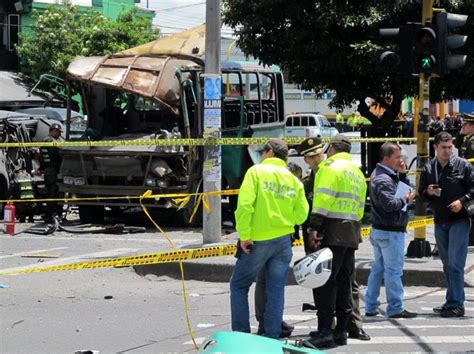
(187, 142)
(140, 259)
(169, 257)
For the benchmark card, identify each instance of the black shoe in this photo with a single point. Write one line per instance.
(439, 309)
(261, 329)
(323, 339)
(452, 312)
(360, 335)
(287, 326)
(285, 333)
(340, 338)
(404, 314)
(371, 314)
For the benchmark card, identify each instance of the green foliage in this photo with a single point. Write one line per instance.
(335, 45)
(63, 32)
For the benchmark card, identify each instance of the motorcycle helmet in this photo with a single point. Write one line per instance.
(314, 270)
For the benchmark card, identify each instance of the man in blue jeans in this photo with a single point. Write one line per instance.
(389, 217)
(271, 202)
(446, 183)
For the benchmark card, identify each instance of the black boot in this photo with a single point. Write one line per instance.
(340, 332)
(323, 338)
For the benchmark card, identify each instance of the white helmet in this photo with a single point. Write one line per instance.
(314, 270)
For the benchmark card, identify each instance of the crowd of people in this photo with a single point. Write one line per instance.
(329, 203)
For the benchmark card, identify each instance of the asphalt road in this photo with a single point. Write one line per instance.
(117, 311)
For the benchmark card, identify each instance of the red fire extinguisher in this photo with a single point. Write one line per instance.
(9, 218)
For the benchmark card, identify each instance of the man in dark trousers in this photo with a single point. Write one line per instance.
(338, 206)
(446, 183)
(465, 144)
(312, 149)
(50, 163)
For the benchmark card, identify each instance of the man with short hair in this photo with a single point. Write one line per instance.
(270, 203)
(389, 216)
(312, 149)
(446, 183)
(338, 207)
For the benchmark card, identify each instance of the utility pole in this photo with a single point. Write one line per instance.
(212, 171)
(419, 247)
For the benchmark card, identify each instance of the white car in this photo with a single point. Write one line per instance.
(307, 125)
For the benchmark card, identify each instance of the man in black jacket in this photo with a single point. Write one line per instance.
(389, 217)
(446, 183)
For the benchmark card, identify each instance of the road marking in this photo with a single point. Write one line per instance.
(205, 325)
(73, 259)
(32, 252)
(414, 339)
(370, 327)
(199, 341)
(431, 309)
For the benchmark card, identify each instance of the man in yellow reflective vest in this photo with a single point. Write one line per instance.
(338, 206)
(271, 202)
(340, 122)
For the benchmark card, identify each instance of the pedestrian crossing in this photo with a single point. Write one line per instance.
(426, 333)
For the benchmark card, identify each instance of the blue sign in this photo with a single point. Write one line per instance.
(212, 87)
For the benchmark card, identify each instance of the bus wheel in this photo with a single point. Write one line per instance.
(92, 214)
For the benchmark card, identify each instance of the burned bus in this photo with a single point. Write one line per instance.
(146, 96)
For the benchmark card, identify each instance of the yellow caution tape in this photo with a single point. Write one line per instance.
(141, 259)
(180, 197)
(188, 142)
(171, 256)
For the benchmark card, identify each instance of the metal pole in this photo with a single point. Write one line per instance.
(212, 172)
(419, 247)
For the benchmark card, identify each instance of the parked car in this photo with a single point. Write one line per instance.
(308, 125)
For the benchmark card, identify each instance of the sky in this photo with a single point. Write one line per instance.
(178, 15)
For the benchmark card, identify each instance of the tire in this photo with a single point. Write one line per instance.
(92, 214)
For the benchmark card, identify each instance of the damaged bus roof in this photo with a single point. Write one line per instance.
(148, 70)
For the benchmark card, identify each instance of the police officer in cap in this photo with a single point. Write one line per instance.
(465, 145)
(50, 163)
(313, 151)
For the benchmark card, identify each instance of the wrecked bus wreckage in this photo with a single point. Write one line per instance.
(129, 97)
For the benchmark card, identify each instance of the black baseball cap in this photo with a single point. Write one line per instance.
(278, 146)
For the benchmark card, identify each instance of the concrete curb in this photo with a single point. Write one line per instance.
(221, 273)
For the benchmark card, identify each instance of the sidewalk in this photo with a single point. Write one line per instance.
(426, 271)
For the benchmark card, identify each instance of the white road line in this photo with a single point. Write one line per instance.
(199, 341)
(414, 340)
(375, 327)
(431, 309)
(205, 325)
(79, 258)
(32, 252)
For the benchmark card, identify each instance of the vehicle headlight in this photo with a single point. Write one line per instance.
(79, 181)
(150, 182)
(162, 184)
(68, 180)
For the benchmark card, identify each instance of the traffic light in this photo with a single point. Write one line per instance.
(425, 49)
(401, 61)
(447, 42)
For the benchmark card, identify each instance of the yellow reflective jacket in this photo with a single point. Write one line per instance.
(339, 189)
(271, 202)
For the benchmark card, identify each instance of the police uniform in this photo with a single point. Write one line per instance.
(50, 164)
(338, 206)
(465, 145)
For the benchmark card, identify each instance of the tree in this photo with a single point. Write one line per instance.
(334, 45)
(63, 32)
